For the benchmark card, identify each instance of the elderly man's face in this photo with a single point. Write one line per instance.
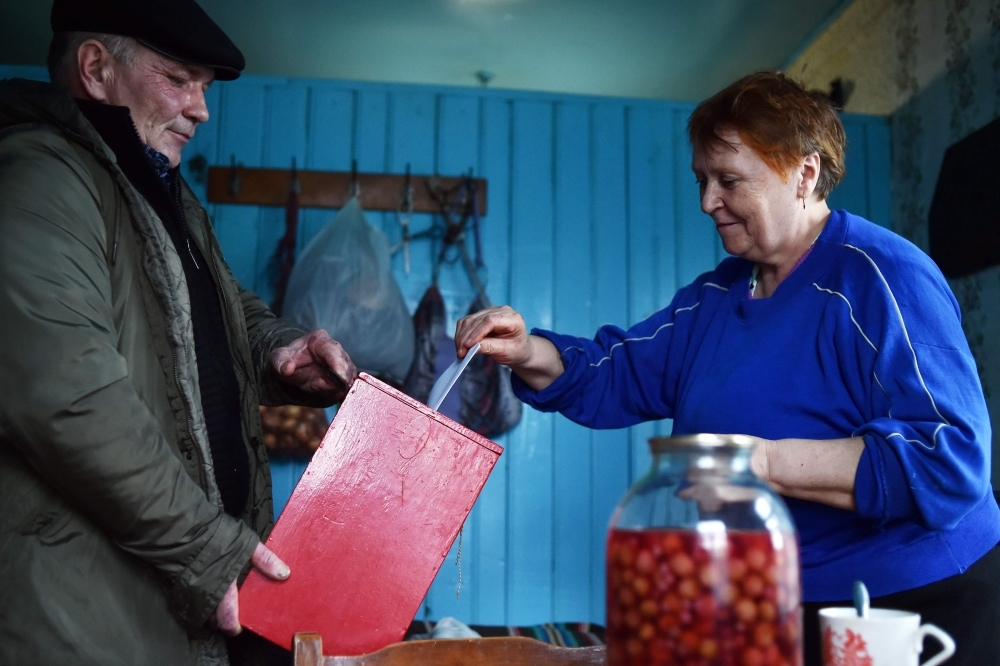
(166, 98)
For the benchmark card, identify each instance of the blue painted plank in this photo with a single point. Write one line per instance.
(852, 193)
(490, 543)
(371, 141)
(644, 153)
(285, 475)
(457, 154)
(370, 132)
(458, 134)
(331, 125)
(571, 307)
(879, 156)
(240, 124)
(530, 447)
(610, 230)
(330, 146)
(665, 183)
(413, 119)
(285, 137)
(696, 236)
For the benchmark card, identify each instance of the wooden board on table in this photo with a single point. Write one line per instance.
(505, 651)
(370, 523)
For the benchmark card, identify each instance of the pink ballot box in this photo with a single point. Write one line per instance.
(370, 523)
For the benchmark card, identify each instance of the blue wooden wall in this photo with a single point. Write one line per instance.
(593, 217)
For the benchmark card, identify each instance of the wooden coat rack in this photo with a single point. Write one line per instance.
(329, 189)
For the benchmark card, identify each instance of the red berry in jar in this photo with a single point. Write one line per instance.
(708, 648)
(645, 562)
(649, 608)
(753, 586)
(752, 657)
(756, 559)
(688, 588)
(767, 611)
(671, 543)
(745, 610)
(682, 564)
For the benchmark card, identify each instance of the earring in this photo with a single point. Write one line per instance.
(803, 203)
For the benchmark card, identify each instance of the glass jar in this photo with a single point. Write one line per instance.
(702, 562)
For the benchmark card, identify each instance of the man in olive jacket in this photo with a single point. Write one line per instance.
(134, 487)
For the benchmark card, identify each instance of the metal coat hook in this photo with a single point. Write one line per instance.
(403, 215)
(355, 187)
(235, 184)
(295, 185)
(198, 165)
(458, 206)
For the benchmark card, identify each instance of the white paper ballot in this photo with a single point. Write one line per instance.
(448, 379)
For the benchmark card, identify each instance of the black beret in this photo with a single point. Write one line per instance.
(178, 29)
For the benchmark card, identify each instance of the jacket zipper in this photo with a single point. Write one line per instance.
(180, 390)
(184, 226)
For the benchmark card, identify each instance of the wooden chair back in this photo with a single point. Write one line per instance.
(506, 651)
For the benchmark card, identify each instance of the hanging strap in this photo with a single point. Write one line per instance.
(285, 253)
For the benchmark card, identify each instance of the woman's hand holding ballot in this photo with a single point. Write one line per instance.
(501, 333)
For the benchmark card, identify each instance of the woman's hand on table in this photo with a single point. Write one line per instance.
(502, 334)
(227, 615)
(819, 470)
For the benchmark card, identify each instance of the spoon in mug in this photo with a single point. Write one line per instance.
(862, 602)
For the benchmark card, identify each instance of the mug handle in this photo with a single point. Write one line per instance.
(946, 641)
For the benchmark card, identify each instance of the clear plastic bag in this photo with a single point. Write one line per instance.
(343, 283)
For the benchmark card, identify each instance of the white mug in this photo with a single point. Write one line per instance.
(884, 638)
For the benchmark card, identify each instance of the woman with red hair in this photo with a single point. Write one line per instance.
(835, 342)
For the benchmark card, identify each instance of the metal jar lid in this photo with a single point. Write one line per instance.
(700, 441)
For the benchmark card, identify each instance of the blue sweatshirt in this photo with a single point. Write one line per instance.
(863, 339)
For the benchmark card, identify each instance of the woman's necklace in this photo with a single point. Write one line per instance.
(756, 267)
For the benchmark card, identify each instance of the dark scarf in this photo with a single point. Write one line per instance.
(149, 172)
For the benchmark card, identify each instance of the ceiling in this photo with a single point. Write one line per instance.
(675, 49)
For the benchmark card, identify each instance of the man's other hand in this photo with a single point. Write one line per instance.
(317, 364)
(227, 615)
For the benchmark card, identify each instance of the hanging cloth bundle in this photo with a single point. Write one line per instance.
(428, 330)
(488, 404)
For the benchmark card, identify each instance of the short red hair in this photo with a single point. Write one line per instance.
(780, 120)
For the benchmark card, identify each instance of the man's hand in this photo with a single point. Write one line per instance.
(316, 364)
(227, 615)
